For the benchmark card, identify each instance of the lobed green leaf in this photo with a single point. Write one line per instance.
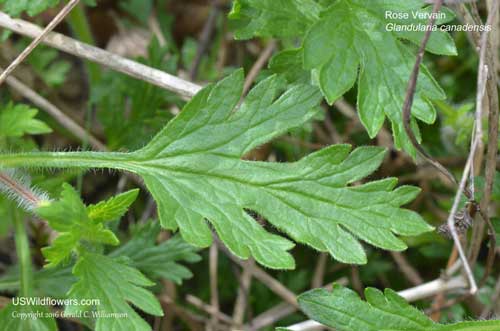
(113, 208)
(76, 223)
(114, 284)
(343, 310)
(18, 120)
(351, 42)
(195, 180)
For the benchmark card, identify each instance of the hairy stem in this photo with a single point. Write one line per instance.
(66, 160)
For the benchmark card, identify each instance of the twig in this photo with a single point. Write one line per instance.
(170, 292)
(473, 36)
(407, 269)
(39, 38)
(413, 294)
(330, 128)
(475, 13)
(451, 219)
(263, 276)
(494, 300)
(194, 321)
(270, 316)
(439, 300)
(214, 291)
(319, 270)
(478, 133)
(198, 303)
(258, 65)
(346, 109)
(54, 112)
(410, 95)
(105, 58)
(487, 83)
(356, 282)
(243, 294)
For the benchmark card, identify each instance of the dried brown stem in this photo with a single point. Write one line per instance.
(487, 82)
(214, 291)
(240, 305)
(410, 95)
(35, 42)
(209, 309)
(258, 65)
(105, 58)
(319, 270)
(407, 269)
(273, 284)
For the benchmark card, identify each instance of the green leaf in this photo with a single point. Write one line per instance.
(343, 310)
(18, 120)
(70, 218)
(351, 43)
(32, 7)
(158, 261)
(113, 208)
(193, 178)
(194, 171)
(265, 18)
(17, 318)
(114, 284)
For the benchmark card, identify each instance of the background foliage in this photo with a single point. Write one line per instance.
(255, 162)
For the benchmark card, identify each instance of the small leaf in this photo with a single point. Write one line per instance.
(69, 216)
(115, 285)
(112, 209)
(18, 120)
